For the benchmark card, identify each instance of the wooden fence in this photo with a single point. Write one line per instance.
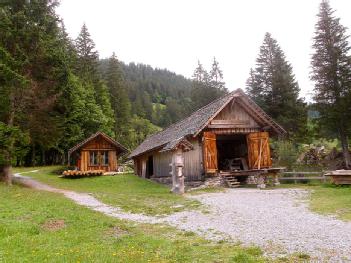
(303, 176)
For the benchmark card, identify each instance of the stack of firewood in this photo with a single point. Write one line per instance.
(313, 155)
(80, 174)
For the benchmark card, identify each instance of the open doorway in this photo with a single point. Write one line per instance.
(232, 152)
(149, 167)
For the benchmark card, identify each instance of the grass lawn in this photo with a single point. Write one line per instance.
(38, 226)
(126, 191)
(328, 199)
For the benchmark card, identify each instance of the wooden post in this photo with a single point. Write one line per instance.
(177, 172)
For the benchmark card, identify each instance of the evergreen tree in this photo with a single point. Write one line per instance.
(331, 64)
(216, 77)
(206, 86)
(272, 86)
(87, 55)
(87, 69)
(119, 99)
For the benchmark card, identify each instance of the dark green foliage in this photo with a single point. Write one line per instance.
(119, 100)
(150, 90)
(87, 55)
(272, 86)
(13, 144)
(331, 64)
(206, 86)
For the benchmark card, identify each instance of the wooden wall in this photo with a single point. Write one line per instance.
(161, 164)
(98, 144)
(193, 167)
(161, 161)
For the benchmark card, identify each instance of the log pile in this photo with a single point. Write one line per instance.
(313, 155)
(318, 155)
(80, 174)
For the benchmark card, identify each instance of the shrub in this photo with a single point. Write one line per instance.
(285, 153)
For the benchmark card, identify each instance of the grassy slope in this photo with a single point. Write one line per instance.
(126, 191)
(89, 236)
(328, 199)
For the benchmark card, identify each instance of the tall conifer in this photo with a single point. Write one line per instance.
(331, 64)
(272, 85)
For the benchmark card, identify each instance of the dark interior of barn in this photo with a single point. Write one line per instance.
(232, 152)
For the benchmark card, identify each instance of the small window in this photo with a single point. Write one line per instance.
(104, 157)
(94, 158)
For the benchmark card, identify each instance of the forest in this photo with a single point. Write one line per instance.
(55, 91)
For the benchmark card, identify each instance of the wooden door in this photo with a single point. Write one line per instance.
(210, 152)
(259, 153)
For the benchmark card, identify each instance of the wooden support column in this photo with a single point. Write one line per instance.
(177, 171)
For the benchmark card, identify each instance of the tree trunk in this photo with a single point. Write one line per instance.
(33, 162)
(7, 174)
(345, 150)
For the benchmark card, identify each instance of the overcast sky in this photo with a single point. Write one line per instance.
(176, 34)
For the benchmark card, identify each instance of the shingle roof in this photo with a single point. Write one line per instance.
(105, 136)
(197, 121)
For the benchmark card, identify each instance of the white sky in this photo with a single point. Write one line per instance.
(175, 34)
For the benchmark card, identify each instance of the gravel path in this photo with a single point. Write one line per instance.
(276, 220)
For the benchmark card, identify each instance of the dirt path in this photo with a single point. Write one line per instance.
(276, 220)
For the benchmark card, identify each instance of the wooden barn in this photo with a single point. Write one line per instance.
(98, 152)
(228, 137)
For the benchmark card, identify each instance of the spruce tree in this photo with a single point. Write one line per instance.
(87, 55)
(272, 85)
(119, 99)
(206, 86)
(216, 77)
(331, 64)
(87, 69)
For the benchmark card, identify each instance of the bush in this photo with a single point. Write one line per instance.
(285, 153)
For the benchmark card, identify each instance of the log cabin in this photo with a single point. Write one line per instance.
(227, 138)
(98, 152)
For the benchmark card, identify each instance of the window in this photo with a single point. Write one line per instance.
(104, 157)
(94, 158)
(99, 158)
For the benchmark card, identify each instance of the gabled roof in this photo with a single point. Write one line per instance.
(197, 121)
(119, 146)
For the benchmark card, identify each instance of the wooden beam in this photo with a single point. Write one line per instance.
(231, 126)
(230, 122)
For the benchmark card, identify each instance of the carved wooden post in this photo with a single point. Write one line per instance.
(177, 172)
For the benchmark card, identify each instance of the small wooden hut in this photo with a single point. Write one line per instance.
(98, 152)
(228, 137)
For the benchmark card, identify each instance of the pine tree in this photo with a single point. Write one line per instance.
(272, 85)
(206, 86)
(87, 55)
(331, 64)
(216, 77)
(119, 99)
(87, 69)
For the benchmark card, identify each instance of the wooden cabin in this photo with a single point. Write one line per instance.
(229, 136)
(98, 152)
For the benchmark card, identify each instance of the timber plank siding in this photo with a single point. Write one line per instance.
(98, 152)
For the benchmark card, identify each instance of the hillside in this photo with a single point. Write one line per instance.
(158, 95)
